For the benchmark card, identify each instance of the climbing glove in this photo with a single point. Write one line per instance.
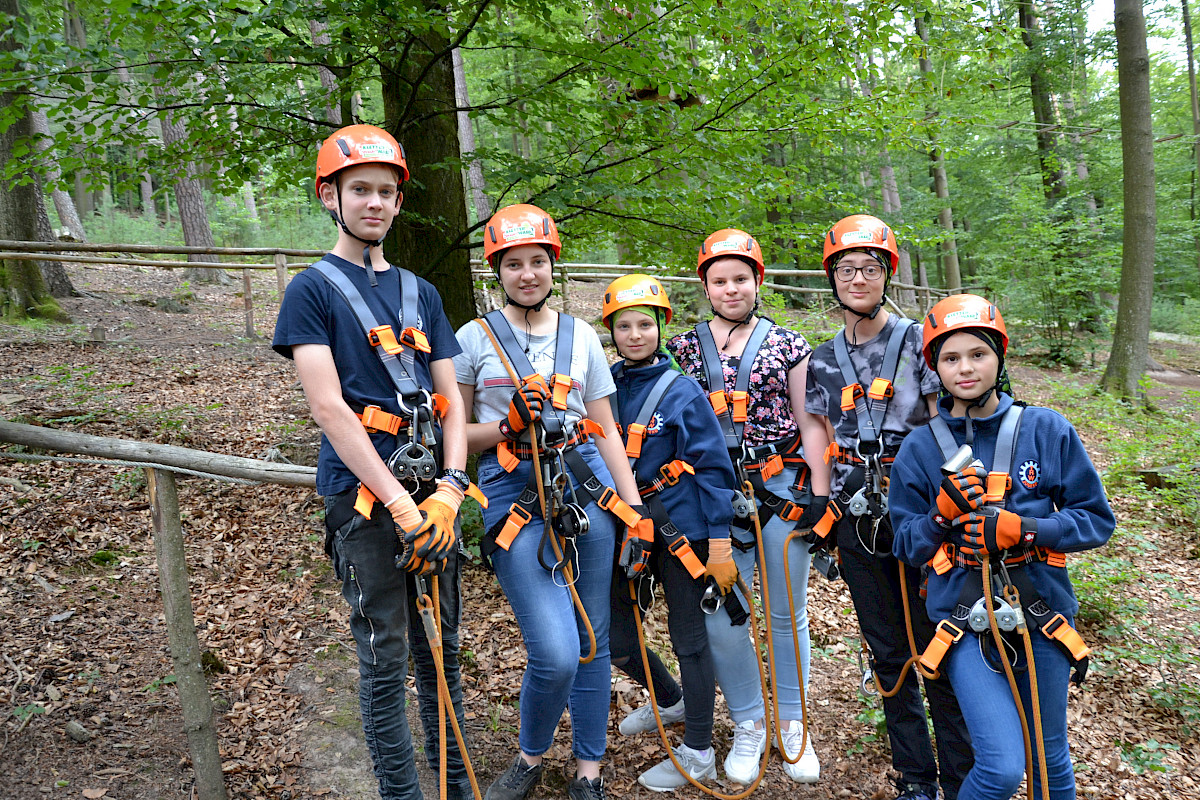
(962, 492)
(525, 408)
(432, 542)
(812, 512)
(720, 566)
(993, 530)
(635, 547)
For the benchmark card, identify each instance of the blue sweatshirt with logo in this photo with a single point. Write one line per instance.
(684, 427)
(1053, 481)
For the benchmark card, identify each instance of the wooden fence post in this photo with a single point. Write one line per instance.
(281, 273)
(248, 301)
(181, 632)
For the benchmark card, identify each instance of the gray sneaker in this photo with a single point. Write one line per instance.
(641, 720)
(517, 781)
(583, 789)
(665, 777)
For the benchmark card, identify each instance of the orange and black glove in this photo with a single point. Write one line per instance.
(993, 530)
(433, 540)
(525, 408)
(961, 493)
(720, 567)
(635, 547)
(814, 512)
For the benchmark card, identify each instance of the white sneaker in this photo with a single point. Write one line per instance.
(745, 756)
(808, 768)
(641, 720)
(664, 777)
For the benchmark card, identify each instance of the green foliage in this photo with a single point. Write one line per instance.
(1170, 316)
(1147, 756)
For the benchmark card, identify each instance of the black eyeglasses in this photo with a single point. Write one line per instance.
(845, 272)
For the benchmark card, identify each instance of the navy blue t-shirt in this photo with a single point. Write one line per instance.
(313, 312)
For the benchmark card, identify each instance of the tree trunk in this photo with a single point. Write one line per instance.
(53, 272)
(146, 187)
(22, 289)
(1054, 184)
(1131, 339)
(63, 203)
(1191, 63)
(329, 81)
(429, 236)
(466, 141)
(941, 187)
(891, 206)
(193, 214)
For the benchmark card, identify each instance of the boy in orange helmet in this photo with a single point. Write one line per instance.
(390, 414)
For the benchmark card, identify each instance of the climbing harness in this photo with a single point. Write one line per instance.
(991, 605)
(550, 493)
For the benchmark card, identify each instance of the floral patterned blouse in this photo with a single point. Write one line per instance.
(770, 417)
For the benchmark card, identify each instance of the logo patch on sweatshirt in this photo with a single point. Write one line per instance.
(656, 424)
(1029, 474)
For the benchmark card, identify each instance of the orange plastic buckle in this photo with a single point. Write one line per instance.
(364, 502)
(517, 519)
(947, 634)
(997, 486)
(771, 467)
(671, 471)
(504, 454)
(589, 427)
(560, 386)
(825, 524)
(416, 339)
(943, 560)
(832, 452)
(1056, 559)
(376, 419)
(383, 336)
(850, 395)
(718, 401)
(1058, 630)
(881, 389)
(682, 550)
(441, 404)
(477, 494)
(790, 511)
(741, 405)
(611, 501)
(637, 435)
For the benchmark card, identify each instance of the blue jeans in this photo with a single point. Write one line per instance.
(384, 619)
(735, 663)
(771, 564)
(555, 638)
(991, 714)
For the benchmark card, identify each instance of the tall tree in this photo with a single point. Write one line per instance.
(23, 291)
(64, 205)
(1053, 175)
(189, 196)
(1131, 339)
(937, 170)
(1195, 98)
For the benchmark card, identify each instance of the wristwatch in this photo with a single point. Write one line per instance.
(456, 476)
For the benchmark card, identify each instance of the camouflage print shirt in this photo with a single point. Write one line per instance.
(906, 411)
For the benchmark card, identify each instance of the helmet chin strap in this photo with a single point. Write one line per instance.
(535, 307)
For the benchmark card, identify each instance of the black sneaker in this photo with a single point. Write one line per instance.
(583, 789)
(915, 791)
(517, 781)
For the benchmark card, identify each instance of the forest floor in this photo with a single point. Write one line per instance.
(87, 705)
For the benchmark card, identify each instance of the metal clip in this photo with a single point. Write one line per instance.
(742, 509)
(858, 504)
(868, 676)
(413, 462)
(712, 599)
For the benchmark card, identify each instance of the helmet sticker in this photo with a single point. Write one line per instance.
(963, 315)
(376, 150)
(1030, 473)
(724, 246)
(516, 230)
(635, 293)
(854, 237)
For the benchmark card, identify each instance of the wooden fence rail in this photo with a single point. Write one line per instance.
(160, 463)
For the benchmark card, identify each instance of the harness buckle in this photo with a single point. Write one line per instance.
(383, 336)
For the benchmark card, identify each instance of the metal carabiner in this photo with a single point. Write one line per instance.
(868, 674)
(712, 599)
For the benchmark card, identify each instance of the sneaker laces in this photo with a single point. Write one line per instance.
(746, 740)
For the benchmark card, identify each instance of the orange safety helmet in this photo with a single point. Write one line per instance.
(516, 225)
(359, 144)
(633, 290)
(860, 231)
(730, 242)
(961, 312)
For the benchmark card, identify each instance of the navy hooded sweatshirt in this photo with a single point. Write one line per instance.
(684, 427)
(1053, 481)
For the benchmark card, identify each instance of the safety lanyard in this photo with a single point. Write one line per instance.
(735, 406)
(552, 423)
(399, 360)
(870, 404)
